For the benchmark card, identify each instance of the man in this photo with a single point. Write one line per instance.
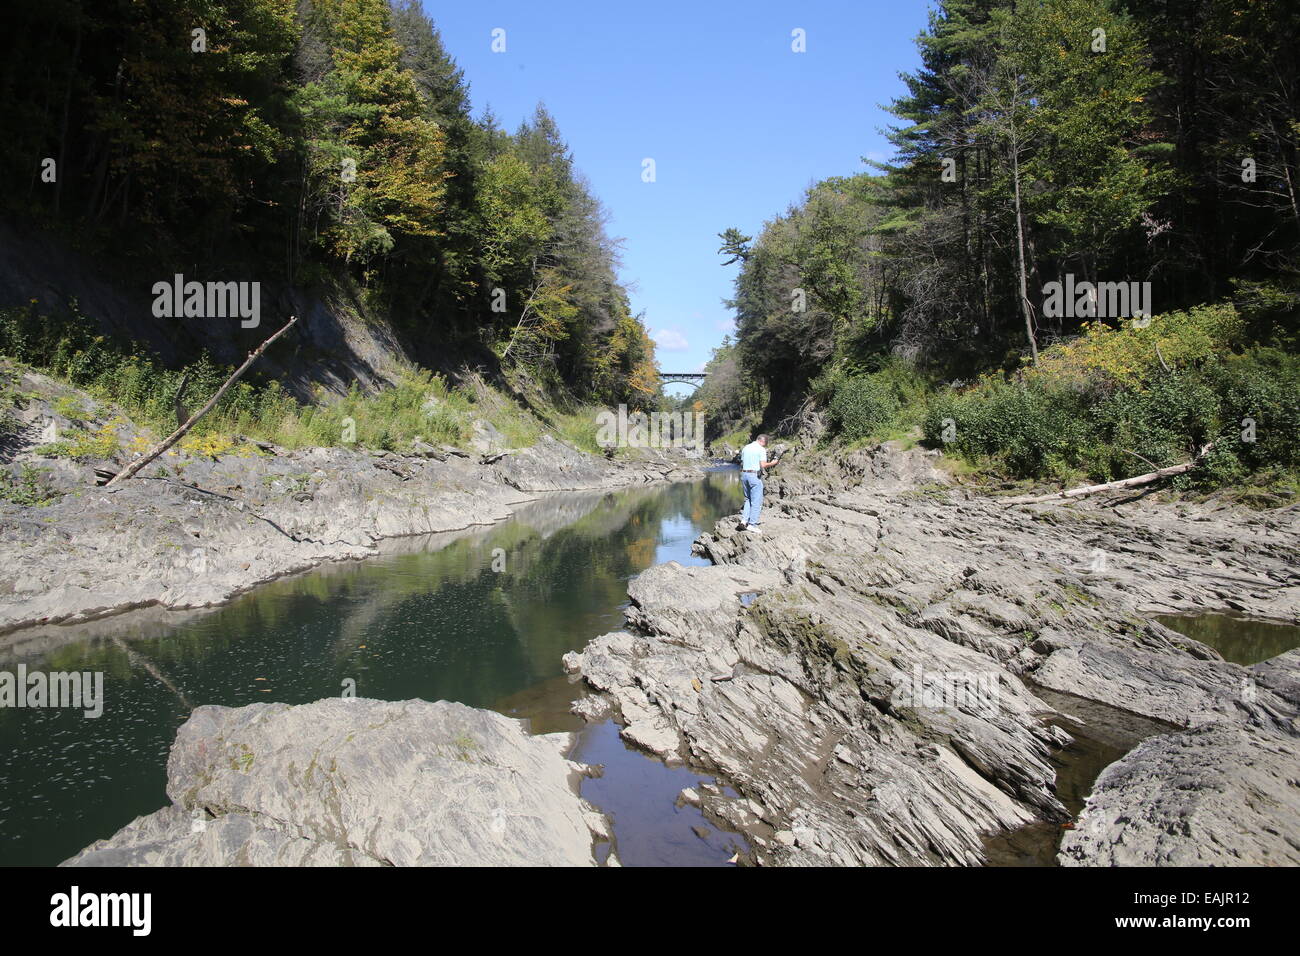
(753, 462)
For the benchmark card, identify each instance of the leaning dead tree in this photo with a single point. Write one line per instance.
(174, 437)
(1133, 482)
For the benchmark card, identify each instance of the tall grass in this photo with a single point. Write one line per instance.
(420, 406)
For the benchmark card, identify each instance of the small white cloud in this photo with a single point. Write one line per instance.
(671, 340)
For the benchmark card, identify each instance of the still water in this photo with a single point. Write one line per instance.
(481, 617)
(1241, 640)
(1104, 734)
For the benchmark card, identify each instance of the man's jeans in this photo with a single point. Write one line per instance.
(753, 488)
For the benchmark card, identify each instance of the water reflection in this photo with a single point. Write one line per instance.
(1240, 640)
(1102, 734)
(481, 617)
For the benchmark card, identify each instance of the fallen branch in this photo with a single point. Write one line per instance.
(1136, 455)
(135, 657)
(177, 435)
(1114, 485)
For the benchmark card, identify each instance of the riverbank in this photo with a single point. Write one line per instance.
(195, 530)
(861, 674)
(891, 674)
(480, 617)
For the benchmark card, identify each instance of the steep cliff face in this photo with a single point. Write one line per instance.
(336, 342)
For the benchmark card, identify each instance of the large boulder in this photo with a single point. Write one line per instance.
(1214, 796)
(1226, 793)
(361, 782)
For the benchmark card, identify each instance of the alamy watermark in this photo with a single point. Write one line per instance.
(209, 300)
(656, 430)
(972, 692)
(127, 910)
(1095, 561)
(1082, 300)
(82, 690)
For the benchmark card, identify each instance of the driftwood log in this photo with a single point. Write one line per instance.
(1133, 482)
(132, 469)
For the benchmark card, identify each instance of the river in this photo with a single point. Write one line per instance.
(482, 617)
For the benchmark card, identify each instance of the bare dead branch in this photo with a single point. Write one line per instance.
(132, 469)
(1114, 485)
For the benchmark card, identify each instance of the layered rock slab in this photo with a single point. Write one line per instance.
(870, 571)
(1222, 794)
(794, 702)
(361, 782)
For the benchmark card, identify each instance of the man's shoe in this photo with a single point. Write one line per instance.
(754, 529)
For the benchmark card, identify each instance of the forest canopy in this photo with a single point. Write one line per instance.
(1137, 151)
(320, 141)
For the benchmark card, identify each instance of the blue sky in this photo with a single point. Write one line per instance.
(737, 123)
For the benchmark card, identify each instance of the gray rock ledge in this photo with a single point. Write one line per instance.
(361, 783)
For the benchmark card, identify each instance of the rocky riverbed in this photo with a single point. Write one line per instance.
(193, 531)
(868, 681)
(862, 673)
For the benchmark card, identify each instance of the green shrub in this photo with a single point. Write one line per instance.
(891, 395)
(31, 486)
(862, 405)
(10, 399)
(419, 405)
(1026, 430)
(1259, 395)
(82, 444)
(1104, 426)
